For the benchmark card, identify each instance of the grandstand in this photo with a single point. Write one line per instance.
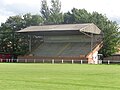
(81, 41)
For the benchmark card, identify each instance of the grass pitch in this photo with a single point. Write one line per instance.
(16, 76)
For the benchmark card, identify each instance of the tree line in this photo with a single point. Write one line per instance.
(15, 43)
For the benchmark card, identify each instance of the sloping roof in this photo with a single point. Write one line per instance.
(89, 28)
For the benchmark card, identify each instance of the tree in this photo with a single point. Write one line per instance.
(12, 42)
(45, 10)
(77, 16)
(32, 20)
(56, 17)
(10, 39)
(68, 18)
(36, 20)
(52, 15)
(5, 43)
(111, 34)
(111, 39)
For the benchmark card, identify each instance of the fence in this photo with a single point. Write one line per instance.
(43, 61)
(111, 61)
(53, 61)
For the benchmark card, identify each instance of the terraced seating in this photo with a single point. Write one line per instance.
(76, 49)
(48, 49)
(62, 49)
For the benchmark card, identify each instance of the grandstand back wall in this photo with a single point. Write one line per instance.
(69, 38)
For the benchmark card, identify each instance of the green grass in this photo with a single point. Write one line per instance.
(17, 76)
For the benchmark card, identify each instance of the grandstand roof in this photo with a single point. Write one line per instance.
(89, 28)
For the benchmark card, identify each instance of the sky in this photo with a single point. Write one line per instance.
(110, 8)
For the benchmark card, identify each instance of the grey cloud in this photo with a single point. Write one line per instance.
(117, 19)
(22, 8)
(16, 9)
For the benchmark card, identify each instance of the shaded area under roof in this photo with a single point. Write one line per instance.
(89, 28)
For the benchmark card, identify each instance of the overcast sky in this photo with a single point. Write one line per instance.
(110, 8)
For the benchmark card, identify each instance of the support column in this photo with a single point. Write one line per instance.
(92, 47)
(91, 41)
(30, 43)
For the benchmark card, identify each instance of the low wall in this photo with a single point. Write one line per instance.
(38, 59)
(113, 57)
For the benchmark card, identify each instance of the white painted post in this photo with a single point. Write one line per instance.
(11, 60)
(81, 61)
(1, 60)
(52, 61)
(17, 60)
(72, 61)
(62, 60)
(108, 61)
(34, 60)
(25, 60)
(6, 60)
(43, 60)
(100, 61)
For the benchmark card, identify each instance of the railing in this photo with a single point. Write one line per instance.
(53, 61)
(43, 61)
(111, 61)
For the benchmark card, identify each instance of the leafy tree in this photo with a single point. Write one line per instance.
(68, 18)
(32, 20)
(52, 15)
(80, 15)
(111, 34)
(12, 42)
(56, 16)
(4, 41)
(77, 16)
(10, 39)
(36, 20)
(45, 10)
